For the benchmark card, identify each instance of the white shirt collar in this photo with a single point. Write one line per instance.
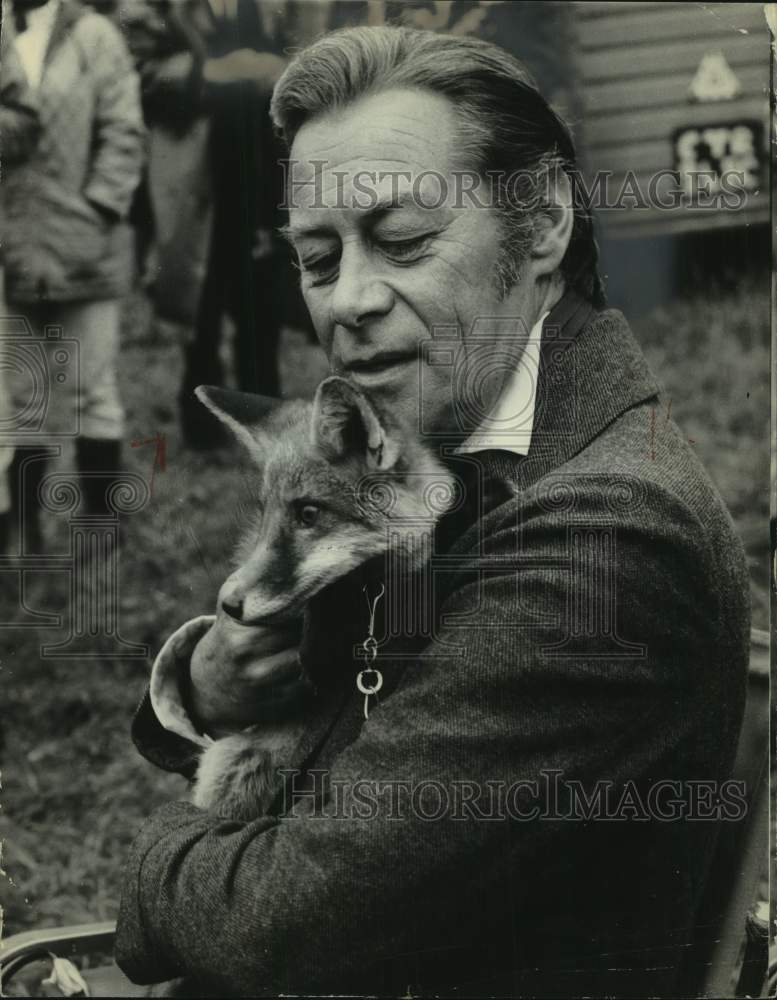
(509, 425)
(31, 44)
(44, 14)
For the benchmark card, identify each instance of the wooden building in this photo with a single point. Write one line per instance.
(680, 87)
(656, 93)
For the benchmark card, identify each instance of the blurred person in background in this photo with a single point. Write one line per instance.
(67, 250)
(19, 129)
(214, 64)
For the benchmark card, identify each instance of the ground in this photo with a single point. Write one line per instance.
(74, 790)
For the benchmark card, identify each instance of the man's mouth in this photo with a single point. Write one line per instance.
(376, 365)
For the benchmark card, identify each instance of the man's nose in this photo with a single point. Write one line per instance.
(359, 293)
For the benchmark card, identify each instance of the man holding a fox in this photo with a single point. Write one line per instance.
(558, 607)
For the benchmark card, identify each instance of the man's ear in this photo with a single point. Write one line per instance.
(242, 412)
(554, 225)
(345, 424)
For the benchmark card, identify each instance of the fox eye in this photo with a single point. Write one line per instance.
(307, 514)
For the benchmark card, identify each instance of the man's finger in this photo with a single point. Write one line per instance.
(180, 644)
(248, 641)
(278, 667)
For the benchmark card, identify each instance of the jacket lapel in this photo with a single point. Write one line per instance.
(591, 371)
(68, 12)
(588, 377)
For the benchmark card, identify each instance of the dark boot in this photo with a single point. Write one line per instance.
(26, 473)
(99, 464)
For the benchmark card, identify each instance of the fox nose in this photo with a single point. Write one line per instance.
(233, 607)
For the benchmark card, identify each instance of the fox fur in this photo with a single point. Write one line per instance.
(340, 484)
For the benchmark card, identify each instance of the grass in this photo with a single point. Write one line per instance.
(712, 357)
(74, 789)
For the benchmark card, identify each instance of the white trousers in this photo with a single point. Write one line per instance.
(59, 363)
(57, 376)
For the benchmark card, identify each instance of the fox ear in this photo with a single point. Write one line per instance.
(241, 412)
(345, 423)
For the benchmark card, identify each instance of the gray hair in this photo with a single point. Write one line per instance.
(506, 129)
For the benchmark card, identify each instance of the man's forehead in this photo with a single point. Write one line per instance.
(386, 142)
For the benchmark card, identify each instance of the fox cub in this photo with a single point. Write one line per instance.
(339, 485)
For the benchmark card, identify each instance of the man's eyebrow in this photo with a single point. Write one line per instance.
(390, 202)
(292, 233)
(384, 204)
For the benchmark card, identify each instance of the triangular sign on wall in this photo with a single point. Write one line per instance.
(714, 80)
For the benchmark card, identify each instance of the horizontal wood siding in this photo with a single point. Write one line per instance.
(667, 22)
(634, 223)
(661, 91)
(594, 10)
(630, 60)
(635, 63)
(639, 126)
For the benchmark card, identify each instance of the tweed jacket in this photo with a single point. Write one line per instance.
(63, 238)
(520, 814)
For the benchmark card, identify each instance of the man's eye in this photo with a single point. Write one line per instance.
(404, 251)
(306, 513)
(321, 269)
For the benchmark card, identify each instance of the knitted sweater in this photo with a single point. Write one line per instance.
(528, 809)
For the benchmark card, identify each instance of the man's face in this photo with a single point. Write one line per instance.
(382, 261)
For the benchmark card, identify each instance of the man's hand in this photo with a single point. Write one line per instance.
(244, 66)
(240, 673)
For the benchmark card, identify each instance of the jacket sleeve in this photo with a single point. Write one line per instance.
(307, 898)
(119, 132)
(19, 121)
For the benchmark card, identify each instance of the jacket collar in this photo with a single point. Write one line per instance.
(591, 371)
(568, 317)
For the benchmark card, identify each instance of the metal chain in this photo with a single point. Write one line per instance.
(369, 680)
